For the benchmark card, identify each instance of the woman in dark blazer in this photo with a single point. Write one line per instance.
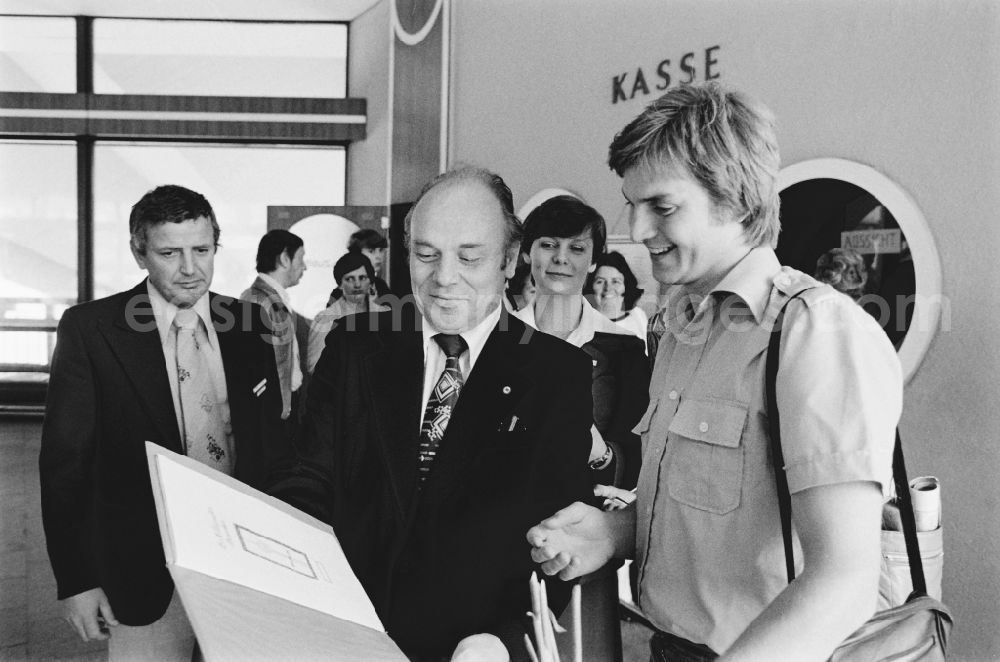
(562, 241)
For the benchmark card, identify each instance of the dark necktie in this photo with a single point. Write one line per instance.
(441, 402)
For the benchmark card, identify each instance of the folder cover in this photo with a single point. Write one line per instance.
(259, 580)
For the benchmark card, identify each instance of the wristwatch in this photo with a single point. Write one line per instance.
(602, 462)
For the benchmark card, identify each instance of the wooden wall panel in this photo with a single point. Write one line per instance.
(417, 113)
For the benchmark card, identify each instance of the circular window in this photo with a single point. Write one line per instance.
(851, 226)
(325, 237)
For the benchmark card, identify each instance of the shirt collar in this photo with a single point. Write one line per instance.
(526, 315)
(591, 322)
(282, 292)
(475, 337)
(751, 279)
(165, 311)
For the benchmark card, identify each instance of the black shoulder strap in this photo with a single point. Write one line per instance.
(781, 480)
(774, 425)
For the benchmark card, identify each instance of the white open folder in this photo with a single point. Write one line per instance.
(259, 580)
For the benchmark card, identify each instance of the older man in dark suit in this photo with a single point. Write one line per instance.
(433, 435)
(169, 362)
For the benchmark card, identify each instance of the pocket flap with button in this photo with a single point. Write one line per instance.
(716, 422)
(705, 458)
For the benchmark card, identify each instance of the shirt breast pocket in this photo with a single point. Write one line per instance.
(705, 469)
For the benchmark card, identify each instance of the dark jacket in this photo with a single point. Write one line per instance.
(450, 559)
(108, 394)
(621, 393)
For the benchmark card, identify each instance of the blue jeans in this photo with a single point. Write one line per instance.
(664, 647)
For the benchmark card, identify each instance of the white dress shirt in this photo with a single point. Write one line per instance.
(434, 358)
(591, 321)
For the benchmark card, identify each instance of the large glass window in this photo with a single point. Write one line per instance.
(38, 246)
(239, 182)
(41, 215)
(134, 56)
(37, 54)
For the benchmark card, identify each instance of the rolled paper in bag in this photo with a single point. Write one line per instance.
(925, 495)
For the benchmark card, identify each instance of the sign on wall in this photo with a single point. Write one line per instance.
(700, 65)
(872, 242)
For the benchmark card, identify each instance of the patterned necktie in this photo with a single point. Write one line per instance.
(442, 401)
(203, 429)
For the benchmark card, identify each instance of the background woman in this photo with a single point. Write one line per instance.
(844, 270)
(562, 239)
(373, 246)
(354, 275)
(614, 290)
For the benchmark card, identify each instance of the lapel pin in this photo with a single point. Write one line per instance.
(259, 388)
(506, 390)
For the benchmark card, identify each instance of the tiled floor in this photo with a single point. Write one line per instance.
(30, 626)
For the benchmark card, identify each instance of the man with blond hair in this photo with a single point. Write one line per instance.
(698, 170)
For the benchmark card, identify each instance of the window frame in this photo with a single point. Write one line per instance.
(330, 122)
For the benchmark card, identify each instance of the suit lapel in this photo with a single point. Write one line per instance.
(394, 375)
(135, 341)
(227, 327)
(496, 384)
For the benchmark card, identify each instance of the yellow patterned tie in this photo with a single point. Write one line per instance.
(203, 430)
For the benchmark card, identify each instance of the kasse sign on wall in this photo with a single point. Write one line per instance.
(688, 68)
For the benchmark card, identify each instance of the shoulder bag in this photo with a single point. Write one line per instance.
(916, 630)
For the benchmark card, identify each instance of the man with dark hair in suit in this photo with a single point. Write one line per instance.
(168, 362)
(280, 264)
(434, 433)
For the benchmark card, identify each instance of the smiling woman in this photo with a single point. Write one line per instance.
(563, 239)
(615, 291)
